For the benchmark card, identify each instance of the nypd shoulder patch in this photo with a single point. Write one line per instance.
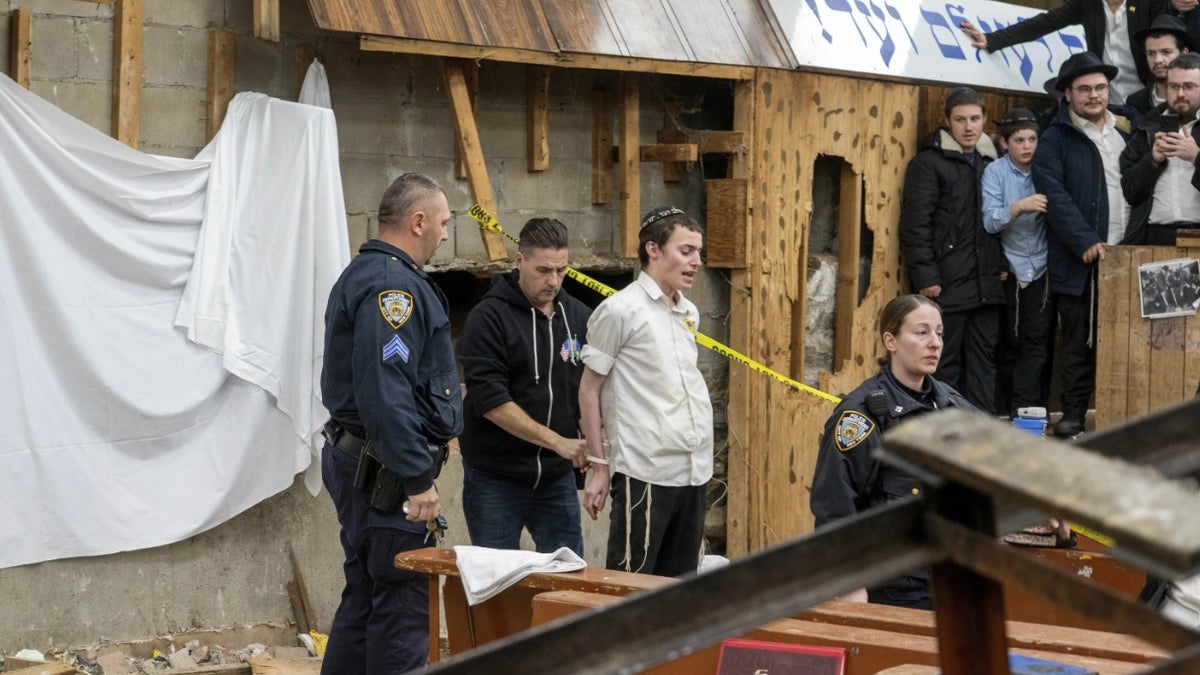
(396, 307)
(852, 428)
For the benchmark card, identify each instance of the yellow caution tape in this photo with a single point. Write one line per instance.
(320, 640)
(1092, 534)
(487, 222)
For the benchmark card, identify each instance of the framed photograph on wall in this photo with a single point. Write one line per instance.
(1169, 288)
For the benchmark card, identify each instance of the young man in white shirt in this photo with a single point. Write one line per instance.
(643, 399)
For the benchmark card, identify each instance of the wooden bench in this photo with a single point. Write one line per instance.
(869, 650)
(510, 611)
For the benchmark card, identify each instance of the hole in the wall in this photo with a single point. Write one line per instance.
(840, 248)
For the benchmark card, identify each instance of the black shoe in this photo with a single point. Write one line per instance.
(1068, 426)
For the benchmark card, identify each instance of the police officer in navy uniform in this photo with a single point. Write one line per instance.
(391, 387)
(847, 479)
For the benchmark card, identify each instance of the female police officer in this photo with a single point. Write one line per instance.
(847, 479)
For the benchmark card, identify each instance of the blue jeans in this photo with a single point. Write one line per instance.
(497, 509)
(382, 623)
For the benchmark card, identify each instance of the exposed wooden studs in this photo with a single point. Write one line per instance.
(725, 231)
(127, 71)
(266, 20)
(672, 172)
(602, 144)
(222, 50)
(743, 332)
(538, 129)
(670, 153)
(22, 45)
(471, 77)
(468, 138)
(849, 233)
(629, 168)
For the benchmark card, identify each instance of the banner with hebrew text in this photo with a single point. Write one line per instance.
(921, 40)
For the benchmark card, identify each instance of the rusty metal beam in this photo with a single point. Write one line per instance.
(1010, 565)
(1168, 440)
(663, 624)
(1152, 520)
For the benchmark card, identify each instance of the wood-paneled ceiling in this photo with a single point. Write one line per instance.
(722, 32)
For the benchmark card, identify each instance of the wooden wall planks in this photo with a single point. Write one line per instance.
(1142, 365)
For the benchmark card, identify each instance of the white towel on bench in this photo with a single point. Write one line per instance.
(487, 571)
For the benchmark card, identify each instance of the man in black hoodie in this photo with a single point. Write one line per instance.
(951, 258)
(520, 356)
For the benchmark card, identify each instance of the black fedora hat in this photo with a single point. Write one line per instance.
(1167, 23)
(1083, 63)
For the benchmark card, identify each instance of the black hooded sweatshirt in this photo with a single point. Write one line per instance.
(511, 351)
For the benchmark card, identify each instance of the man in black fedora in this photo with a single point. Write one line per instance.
(1077, 167)
(1165, 39)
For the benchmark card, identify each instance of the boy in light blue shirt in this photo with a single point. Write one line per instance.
(1012, 207)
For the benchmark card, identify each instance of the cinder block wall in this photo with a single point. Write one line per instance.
(392, 117)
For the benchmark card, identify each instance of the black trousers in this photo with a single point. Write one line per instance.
(1077, 317)
(1028, 343)
(655, 529)
(969, 354)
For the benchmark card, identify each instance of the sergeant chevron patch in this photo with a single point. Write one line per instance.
(395, 347)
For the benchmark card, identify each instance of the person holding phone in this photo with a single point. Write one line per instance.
(1159, 162)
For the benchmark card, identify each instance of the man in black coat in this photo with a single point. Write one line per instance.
(951, 258)
(1128, 18)
(1077, 167)
(1159, 162)
(1160, 44)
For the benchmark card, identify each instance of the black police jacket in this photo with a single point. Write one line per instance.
(389, 372)
(511, 351)
(847, 479)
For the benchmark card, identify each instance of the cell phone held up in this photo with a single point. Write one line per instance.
(1168, 123)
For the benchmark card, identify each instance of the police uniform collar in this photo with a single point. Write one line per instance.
(903, 399)
(380, 246)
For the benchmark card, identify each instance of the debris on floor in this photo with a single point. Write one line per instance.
(193, 657)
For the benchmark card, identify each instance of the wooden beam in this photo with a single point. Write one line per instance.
(602, 143)
(266, 20)
(744, 337)
(718, 142)
(222, 49)
(471, 76)
(672, 153)
(22, 45)
(468, 137)
(377, 43)
(127, 71)
(849, 234)
(538, 130)
(628, 168)
(672, 172)
(726, 201)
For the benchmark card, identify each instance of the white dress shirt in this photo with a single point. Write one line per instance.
(654, 405)
(1110, 143)
(1117, 52)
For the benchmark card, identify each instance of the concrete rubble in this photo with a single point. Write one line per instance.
(193, 657)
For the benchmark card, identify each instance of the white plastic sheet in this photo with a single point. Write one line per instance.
(120, 429)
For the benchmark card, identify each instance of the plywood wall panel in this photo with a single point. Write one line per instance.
(1142, 365)
(799, 116)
